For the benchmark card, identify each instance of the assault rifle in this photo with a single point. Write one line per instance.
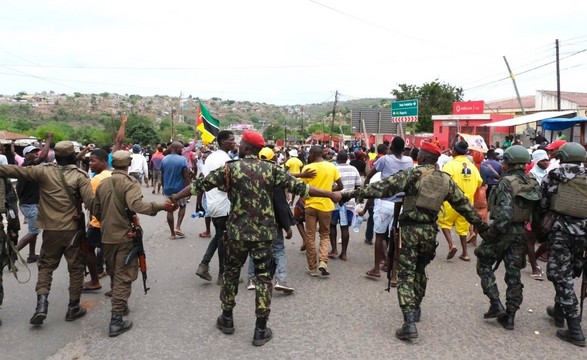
(136, 233)
(393, 249)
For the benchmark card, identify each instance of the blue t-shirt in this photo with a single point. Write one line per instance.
(172, 167)
(487, 175)
(389, 165)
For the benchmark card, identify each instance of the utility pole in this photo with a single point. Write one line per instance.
(515, 86)
(172, 127)
(333, 113)
(285, 132)
(302, 127)
(558, 78)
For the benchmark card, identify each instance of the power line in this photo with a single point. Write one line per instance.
(526, 71)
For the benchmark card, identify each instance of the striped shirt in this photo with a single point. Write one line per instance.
(350, 177)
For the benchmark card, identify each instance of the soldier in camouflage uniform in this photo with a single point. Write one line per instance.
(251, 227)
(8, 208)
(567, 239)
(418, 227)
(506, 237)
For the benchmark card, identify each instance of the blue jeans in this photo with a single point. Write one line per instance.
(278, 250)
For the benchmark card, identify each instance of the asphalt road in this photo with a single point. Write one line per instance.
(343, 316)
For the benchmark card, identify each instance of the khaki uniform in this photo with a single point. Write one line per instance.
(115, 222)
(57, 219)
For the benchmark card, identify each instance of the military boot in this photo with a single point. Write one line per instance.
(417, 314)
(495, 309)
(574, 334)
(118, 325)
(225, 322)
(555, 312)
(74, 311)
(507, 320)
(262, 332)
(408, 330)
(41, 310)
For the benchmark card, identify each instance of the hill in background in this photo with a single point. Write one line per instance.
(29, 113)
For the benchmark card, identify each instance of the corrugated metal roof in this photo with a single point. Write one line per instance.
(531, 118)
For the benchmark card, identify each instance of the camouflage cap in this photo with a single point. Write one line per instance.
(64, 148)
(121, 158)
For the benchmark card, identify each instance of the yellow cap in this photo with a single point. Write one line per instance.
(266, 154)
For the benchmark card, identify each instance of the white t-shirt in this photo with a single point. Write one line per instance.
(138, 165)
(3, 160)
(217, 201)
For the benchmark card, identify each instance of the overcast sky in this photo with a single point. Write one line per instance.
(290, 51)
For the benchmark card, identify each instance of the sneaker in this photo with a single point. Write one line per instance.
(282, 286)
(203, 271)
(323, 268)
(220, 280)
(251, 285)
(314, 273)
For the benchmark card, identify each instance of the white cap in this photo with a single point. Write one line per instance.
(539, 155)
(293, 153)
(28, 149)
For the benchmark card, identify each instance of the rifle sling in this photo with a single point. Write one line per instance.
(70, 194)
(117, 201)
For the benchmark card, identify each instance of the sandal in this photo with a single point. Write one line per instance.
(179, 234)
(342, 257)
(333, 254)
(89, 287)
(372, 274)
(204, 235)
(451, 253)
(464, 258)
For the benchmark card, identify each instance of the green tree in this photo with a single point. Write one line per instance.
(60, 131)
(434, 98)
(273, 132)
(140, 129)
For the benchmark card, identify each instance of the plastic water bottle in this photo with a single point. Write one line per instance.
(344, 221)
(197, 214)
(358, 222)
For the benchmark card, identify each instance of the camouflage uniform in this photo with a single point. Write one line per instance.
(567, 242)
(251, 225)
(418, 230)
(8, 201)
(507, 242)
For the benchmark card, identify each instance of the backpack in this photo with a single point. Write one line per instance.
(571, 197)
(525, 194)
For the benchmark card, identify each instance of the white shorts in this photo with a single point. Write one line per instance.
(383, 216)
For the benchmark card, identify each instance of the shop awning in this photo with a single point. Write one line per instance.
(520, 120)
(561, 123)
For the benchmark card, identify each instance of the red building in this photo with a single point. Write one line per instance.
(468, 118)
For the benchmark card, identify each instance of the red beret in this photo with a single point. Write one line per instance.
(253, 138)
(431, 148)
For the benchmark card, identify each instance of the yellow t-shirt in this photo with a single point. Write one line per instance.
(94, 182)
(326, 174)
(372, 156)
(465, 174)
(294, 165)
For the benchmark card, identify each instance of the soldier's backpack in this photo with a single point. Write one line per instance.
(525, 194)
(433, 186)
(571, 197)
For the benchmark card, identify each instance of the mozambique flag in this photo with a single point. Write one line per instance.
(208, 125)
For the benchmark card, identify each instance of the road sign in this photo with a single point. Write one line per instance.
(404, 111)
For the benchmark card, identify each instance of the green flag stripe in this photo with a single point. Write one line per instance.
(211, 124)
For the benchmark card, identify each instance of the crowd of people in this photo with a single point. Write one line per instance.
(501, 202)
